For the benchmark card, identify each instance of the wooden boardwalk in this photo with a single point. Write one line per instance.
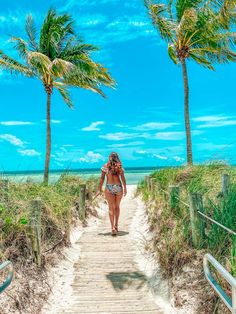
(107, 279)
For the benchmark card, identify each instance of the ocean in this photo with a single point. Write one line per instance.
(133, 175)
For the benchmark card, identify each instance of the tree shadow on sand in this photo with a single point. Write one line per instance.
(119, 234)
(125, 280)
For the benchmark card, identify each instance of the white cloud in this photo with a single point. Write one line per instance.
(118, 125)
(159, 156)
(178, 159)
(55, 121)
(170, 136)
(215, 121)
(12, 123)
(212, 147)
(29, 152)
(119, 136)
(141, 152)
(91, 157)
(75, 155)
(93, 19)
(210, 118)
(12, 139)
(93, 126)
(125, 144)
(174, 136)
(154, 126)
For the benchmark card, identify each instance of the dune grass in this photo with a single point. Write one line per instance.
(60, 211)
(172, 229)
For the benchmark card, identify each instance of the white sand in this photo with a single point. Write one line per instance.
(62, 276)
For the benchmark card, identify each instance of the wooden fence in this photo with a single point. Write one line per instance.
(35, 220)
(195, 205)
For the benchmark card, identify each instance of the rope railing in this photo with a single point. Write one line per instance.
(217, 223)
(198, 234)
(224, 179)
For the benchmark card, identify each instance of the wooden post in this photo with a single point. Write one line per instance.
(174, 197)
(197, 223)
(4, 189)
(152, 187)
(82, 194)
(225, 184)
(148, 183)
(35, 226)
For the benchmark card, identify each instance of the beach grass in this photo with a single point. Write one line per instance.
(172, 227)
(59, 213)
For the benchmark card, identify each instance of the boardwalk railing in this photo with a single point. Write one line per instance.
(9, 278)
(197, 218)
(229, 302)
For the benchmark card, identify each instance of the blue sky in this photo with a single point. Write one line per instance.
(142, 119)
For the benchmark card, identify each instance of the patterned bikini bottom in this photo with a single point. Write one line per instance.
(114, 188)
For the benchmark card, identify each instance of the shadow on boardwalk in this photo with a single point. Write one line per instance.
(119, 234)
(125, 280)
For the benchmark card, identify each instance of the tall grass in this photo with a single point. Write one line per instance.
(60, 211)
(174, 233)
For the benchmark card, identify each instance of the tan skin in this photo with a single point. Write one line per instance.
(113, 200)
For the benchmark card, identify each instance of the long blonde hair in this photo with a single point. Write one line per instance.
(114, 164)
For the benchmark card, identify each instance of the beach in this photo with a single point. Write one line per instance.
(133, 175)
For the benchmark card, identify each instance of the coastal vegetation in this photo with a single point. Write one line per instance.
(60, 59)
(173, 241)
(199, 31)
(60, 213)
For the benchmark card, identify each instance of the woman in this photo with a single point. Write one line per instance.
(114, 190)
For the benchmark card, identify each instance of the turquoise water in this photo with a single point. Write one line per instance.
(133, 175)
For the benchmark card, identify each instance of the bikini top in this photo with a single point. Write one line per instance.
(106, 170)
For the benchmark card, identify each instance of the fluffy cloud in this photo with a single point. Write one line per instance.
(29, 152)
(93, 126)
(55, 121)
(130, 144)
(170, 136)
(174, 136)
(12, 123)
(118, 136)
(141, 152)
(12, 139)
(214, 121)
(154, 126)
(91, 157)
(159, 156)
(178, 159)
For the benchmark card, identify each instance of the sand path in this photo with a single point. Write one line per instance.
(106, 278)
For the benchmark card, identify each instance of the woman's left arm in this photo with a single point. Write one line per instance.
(123, 181)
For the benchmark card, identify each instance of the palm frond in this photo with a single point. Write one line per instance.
(60, 67)
(201, 60)
(183, 5)
(31, 32)
(13, 66)
(164, 25)
(21, 46)
(172, 53)
(63, 90)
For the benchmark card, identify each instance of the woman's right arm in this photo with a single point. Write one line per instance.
(102, 178)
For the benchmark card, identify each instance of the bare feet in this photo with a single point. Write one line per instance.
(114, 231)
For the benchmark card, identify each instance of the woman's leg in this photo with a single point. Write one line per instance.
(111, 203)
(117, 208)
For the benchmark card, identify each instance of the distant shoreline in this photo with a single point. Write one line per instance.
(84, 170)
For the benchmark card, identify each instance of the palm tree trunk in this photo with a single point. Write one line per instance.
(48, 141)
(186, 114)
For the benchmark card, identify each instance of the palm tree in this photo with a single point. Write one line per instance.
(59, 60)
(194, 30)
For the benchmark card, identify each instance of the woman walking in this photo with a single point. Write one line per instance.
(115, 188)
